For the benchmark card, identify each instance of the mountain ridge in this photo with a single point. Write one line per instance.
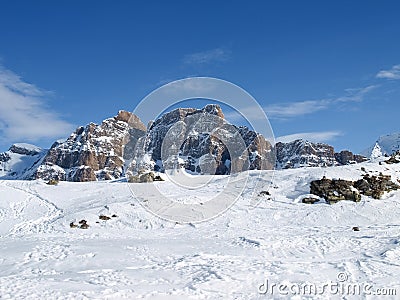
(122, 145)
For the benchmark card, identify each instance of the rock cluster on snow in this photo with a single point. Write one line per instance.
(375, 186)
(142, 178)
(394, 158)
(309, 200)
(334, 190)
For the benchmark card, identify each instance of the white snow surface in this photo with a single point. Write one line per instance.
(137, 255)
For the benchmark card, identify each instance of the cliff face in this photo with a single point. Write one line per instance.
(302, 153)
(346, 157)
(94, 152)
(200, 140)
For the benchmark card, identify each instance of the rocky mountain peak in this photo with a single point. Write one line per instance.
(197, 144)
(25, 149)
(385, 145)
(130, 118)
(123, 145)
(93, 152)
(20, 161)
(301, 153)
(214, 109)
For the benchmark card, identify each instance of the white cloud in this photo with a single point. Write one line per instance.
(393, 73)
(322, 136)
(23, 113)
(189, 85)
(294, 109)
(355, 95)
(208, 56)
(287, 110)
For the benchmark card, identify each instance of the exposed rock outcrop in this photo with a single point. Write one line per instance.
(334, 190)
(394, 158)
(94, 152)
(200, 144)
(142, 178)
(346, 157)
(301, 153)
(375, 186)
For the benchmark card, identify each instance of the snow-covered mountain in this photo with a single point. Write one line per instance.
(198, 145)
(20, 161)
(385, 145)
(122, 145)
(301, 153)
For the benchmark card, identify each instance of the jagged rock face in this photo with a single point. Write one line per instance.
(25, 149)
(200, 152)
(346, 157)
(262, 155)
(302, 153)
(49, 171)
(95, 151)
(4, 157)
(160, 127)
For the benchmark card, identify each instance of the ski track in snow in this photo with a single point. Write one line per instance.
(137, 255)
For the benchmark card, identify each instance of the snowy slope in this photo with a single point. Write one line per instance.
(386, 144)
(20, 161)
(137, 255)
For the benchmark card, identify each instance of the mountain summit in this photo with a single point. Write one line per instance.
(123, 146)
(385, 145)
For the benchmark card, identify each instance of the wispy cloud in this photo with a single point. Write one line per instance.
(322, 136)
(187, 85)
(205, 57)
(288, 110)
(295, 109)
(23, 113)
(393, 73)
(355, 95)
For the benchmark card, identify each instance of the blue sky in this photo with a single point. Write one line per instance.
(322, 70)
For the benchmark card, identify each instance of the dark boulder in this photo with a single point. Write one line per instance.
(334, 190)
